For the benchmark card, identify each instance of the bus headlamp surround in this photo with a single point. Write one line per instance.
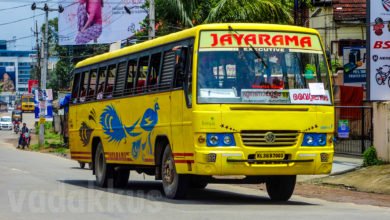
(314, 139)
(220, 139)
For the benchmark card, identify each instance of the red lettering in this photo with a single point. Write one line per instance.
(293, 40)
(278, 40)
(295, 96)
(378, 44)
(264, 38)
(238, 38)
(226, 38)
(387, 43)
(250, 39)
(215, 40)
(305, 41)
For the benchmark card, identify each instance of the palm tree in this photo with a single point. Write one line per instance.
(193, 12)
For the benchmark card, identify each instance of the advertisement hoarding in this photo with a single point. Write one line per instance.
(43, 101)
(7, 80)
(379, 50)
(354, 61)
(99, 21)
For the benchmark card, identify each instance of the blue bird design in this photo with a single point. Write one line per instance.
(148, 122)
(112, 125)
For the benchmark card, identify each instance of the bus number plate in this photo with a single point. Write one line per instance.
(269, 155)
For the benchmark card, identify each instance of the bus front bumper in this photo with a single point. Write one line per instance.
(235, 163)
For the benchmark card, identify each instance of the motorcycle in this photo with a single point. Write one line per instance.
(26, 140)
(16, 127)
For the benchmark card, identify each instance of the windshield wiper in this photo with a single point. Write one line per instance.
(253, 49)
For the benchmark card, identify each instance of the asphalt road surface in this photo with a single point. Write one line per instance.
(43, 186)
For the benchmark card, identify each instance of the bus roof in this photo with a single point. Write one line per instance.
(191, 32)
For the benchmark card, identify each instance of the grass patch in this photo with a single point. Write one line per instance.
(53, 141)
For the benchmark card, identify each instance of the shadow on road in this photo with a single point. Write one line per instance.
(153, 191)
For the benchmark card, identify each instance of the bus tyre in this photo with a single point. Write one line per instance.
(82, 165)
(103, 171)
(280, 188)
(174, 185)
(121, 178)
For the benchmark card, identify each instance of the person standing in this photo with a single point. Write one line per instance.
(89, 21)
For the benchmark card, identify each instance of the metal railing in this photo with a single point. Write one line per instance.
(360, 136)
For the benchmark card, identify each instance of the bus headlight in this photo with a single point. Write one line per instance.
(223, 140)
(314, 139)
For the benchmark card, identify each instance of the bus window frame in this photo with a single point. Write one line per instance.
(129, 92)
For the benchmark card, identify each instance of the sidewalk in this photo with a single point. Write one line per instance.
(343, 164)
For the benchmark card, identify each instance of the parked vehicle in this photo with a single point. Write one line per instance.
(5, 123)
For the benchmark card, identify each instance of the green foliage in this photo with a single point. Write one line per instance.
(370, 157)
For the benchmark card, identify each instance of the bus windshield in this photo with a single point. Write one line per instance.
(266, 75)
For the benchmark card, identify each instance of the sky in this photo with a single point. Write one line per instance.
(17, 20)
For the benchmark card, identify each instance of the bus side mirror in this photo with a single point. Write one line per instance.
(329, 59)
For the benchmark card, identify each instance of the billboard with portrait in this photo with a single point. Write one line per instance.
(99, 21)
(7, 80)
(379, 49)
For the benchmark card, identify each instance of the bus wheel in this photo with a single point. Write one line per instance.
(280, 188)
(82, 165)
(121, 178)
(174, 185)
(103, 171)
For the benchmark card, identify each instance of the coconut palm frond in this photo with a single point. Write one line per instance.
(184, 8)
(268, 11)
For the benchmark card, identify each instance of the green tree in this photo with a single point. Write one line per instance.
(193, 12)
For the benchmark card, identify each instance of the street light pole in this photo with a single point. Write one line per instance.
(44, 69)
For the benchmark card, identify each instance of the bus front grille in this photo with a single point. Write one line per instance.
(269, 138)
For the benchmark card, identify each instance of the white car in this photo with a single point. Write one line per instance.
(6, 123)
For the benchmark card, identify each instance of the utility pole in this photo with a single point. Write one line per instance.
(42, 103)
(38, 67)
(152, 28)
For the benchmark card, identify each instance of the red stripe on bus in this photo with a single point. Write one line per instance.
(79, 152)
(81, 157)
(184, 161)
(183, 154)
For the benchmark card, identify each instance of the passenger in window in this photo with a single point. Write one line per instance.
(100, 91)
(83, 94)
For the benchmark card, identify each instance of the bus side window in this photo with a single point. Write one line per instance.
(141, 74)
(167, 71)
(101, 82)
(110, 81)
(84, 86)
(120, 79)
(132, 68)
(75, 89)
(92, 85)
(154, 70)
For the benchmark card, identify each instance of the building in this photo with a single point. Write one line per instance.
(18, 66)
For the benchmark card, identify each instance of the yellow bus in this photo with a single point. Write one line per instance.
(27, 101)
(217, 103)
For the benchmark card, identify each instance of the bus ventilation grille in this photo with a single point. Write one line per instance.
(269, 138)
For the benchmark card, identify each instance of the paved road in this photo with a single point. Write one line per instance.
(42, 186)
